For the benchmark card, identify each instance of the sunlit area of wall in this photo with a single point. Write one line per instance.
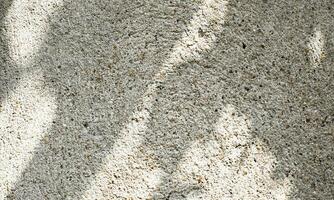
(233, 165)
(316, 48)
(25, 115)
(28, 24)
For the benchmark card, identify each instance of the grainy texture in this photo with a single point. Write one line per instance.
(191, 99)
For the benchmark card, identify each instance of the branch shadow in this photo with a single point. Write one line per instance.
(260, 65)
(98, 58)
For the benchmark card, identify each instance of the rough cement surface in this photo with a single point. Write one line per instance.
(191, 99)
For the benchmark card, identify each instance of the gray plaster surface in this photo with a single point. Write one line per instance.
(191, 99)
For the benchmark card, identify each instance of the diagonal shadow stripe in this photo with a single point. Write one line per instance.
(210, 18)
(87, 116)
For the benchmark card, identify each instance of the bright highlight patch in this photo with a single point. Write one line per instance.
(316, 48)
(232, 167)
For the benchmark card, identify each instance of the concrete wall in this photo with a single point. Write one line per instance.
(191, 99)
